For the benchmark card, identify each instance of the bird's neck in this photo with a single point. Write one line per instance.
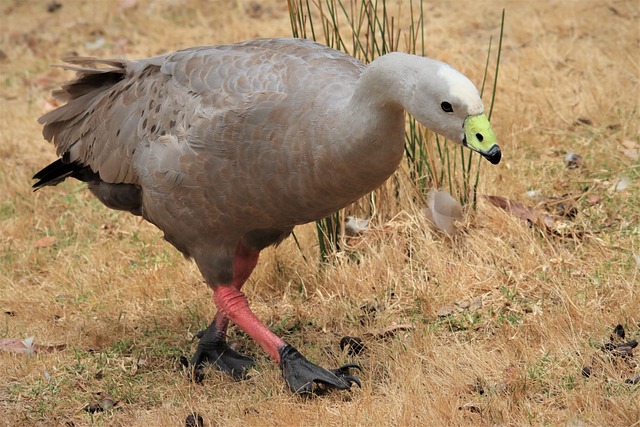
(372, 133)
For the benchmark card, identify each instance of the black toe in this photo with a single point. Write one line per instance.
(214, 350)
(301, 375)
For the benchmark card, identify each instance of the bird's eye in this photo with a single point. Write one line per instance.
(446, 107)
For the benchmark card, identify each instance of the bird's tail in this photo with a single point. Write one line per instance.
(58, 171)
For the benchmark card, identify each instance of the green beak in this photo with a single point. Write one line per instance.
(479, 137)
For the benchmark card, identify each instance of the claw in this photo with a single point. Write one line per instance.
(215, 351)
(301, 375)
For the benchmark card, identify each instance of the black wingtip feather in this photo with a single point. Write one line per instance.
(55, 173)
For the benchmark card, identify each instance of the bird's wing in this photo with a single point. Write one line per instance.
(116, 107)
(241, 153)
(111, 106)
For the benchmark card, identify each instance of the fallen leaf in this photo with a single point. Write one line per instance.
(45, 242)
(515, 208)
(443, 210)
(27, 346)
(17, 345)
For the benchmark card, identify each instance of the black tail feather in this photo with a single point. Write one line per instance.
(58, 171)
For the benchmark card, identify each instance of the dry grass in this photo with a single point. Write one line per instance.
(112, 290)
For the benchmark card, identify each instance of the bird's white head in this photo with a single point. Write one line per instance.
(442, 99)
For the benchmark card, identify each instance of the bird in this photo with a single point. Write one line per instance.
(227, 148)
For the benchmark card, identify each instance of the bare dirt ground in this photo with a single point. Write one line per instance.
(509, 320)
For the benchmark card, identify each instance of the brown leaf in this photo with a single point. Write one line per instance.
(515, 208)
(17, 345)
(38, 348)
(27, 346)
(45, 242)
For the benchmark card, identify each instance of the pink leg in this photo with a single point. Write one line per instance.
(213, 348)
(233, 304)
(244, 262)
(298, 372)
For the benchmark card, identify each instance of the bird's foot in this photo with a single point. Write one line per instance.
(301, 375)
(214, 350)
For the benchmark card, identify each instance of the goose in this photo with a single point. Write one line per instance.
(227, 148)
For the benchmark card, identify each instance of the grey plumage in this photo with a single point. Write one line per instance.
(220, 142)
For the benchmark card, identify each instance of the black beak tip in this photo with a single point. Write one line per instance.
(494, 155)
